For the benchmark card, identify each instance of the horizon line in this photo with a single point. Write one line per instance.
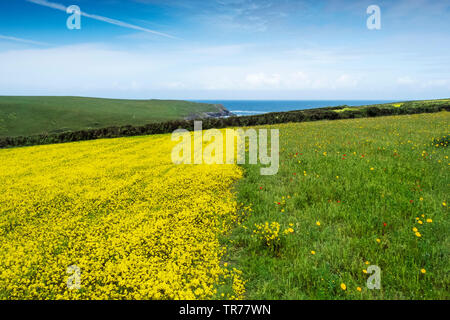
(219, 99)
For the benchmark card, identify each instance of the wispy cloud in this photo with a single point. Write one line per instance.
(119, 23)
(23, 40)
(236, 15)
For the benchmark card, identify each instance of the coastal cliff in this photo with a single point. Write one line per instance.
(221, 112)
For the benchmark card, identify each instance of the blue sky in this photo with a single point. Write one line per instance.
(226, 49)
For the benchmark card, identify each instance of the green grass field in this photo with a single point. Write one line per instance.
(353, 191)
(26, 116)
(350, 193)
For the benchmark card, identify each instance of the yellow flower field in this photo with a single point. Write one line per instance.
(136, 225)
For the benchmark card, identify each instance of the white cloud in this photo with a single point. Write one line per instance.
(405, 80)
(347, 81)
(436, 83)
(215, 72)
(261, 79)
(300, 79)
(174, 85)
(73, 68)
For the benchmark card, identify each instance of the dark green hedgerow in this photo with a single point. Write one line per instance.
(328, 113)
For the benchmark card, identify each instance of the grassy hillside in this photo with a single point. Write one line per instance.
(26, 116)
(400, 104)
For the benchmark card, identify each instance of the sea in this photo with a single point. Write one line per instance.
(253, 107)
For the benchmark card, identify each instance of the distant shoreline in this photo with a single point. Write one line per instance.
(258, 107)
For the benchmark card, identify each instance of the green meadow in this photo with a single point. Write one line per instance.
(355, 193)
(349, 194)
(27, 116)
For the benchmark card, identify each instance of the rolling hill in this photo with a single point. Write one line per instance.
(25, 116)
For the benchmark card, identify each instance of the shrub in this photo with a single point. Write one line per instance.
(270, 237)
(441, 142)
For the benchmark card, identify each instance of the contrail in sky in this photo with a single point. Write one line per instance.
(23, 40)
(119, 23)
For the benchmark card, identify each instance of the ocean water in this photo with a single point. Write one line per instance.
(252, 107)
